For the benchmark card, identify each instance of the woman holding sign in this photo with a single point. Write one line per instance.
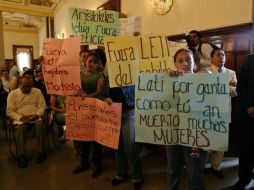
(92, 82)
(178, 155)
(127, 153)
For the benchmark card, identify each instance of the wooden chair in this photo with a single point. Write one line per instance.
(53, 128)
(12, 141)
(57, 131)
(3, 117)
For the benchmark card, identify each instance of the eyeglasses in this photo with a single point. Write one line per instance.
(182, 60)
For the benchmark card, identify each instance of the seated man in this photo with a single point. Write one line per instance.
(25, 106)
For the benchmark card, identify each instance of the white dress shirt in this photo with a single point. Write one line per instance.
(231, 75)
(19, 104)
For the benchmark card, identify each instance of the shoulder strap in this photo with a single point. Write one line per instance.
(199, 48)
(200, 45)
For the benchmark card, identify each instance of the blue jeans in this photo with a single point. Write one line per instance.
(127, 150)
(177, 156)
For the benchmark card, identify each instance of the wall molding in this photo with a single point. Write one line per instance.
(218, 32)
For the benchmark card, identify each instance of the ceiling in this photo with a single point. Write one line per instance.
(26, 15)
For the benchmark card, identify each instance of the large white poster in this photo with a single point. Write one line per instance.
(190, 110)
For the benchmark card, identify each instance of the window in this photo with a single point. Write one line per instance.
(23, 56)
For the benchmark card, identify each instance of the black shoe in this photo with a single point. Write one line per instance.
(41, 157)
(207, 170)
(79, 152)
(137, 185)
(96, 172)
(218, 173)
(115, 181)
(237, 186)
(22, 162)
(240, 186)
(80, 168)
(61, 140)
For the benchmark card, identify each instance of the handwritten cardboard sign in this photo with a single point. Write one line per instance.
(61, 67)
(155, 54)
(127, 26)
(190, 110)
(93, 25)
(93, 120)
(129, 55)
(122, 60)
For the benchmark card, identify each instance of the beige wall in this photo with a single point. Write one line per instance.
(186, 15)
(42, 34)
(61, 17)
(20, 38)
(2, 62)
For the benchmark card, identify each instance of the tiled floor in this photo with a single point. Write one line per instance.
(56, 172)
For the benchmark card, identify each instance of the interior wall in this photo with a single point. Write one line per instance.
(186, 15)
(2, 61)
(42, 34)
(20, 38)
(62, 27)
(183, 16)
